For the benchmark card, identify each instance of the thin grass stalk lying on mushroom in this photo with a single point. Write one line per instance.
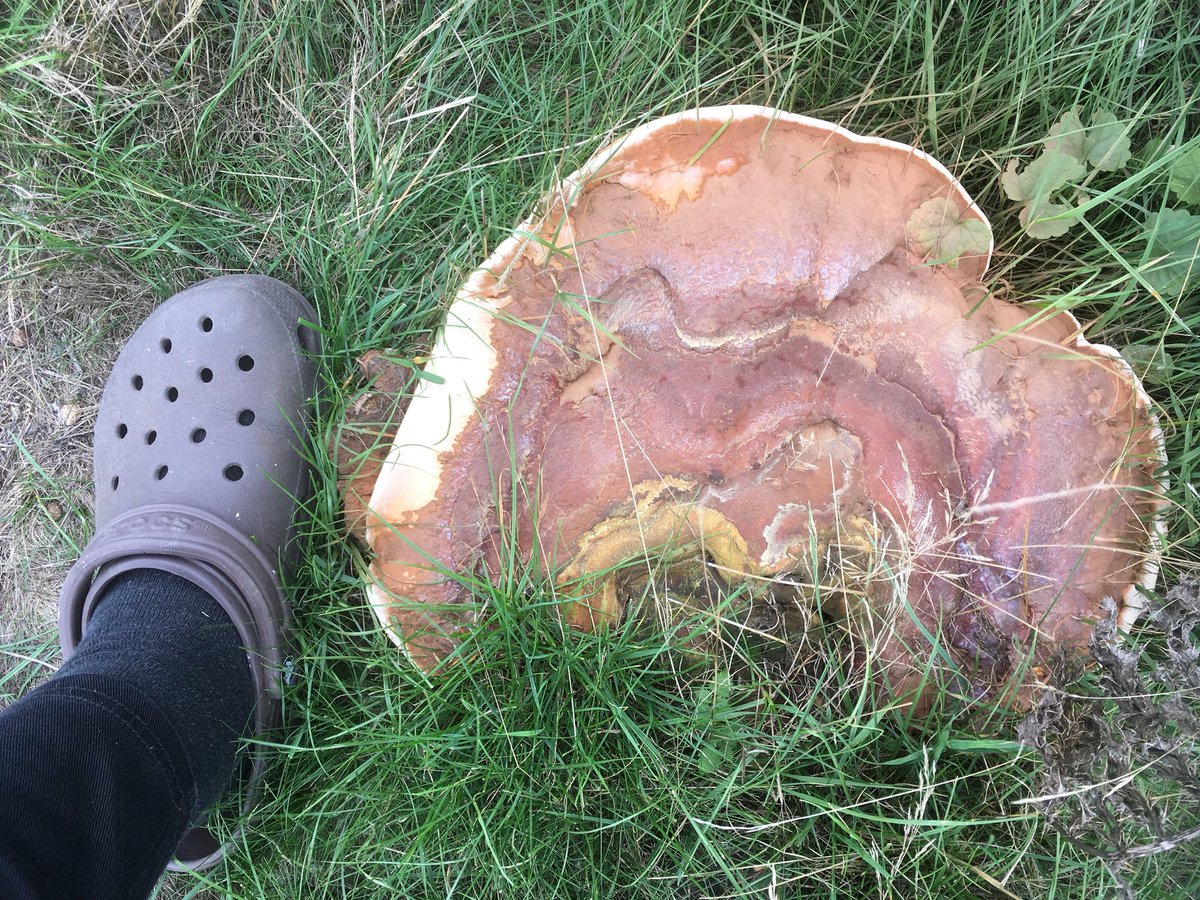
(747, 354)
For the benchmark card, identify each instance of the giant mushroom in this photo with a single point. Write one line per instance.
(757, 340)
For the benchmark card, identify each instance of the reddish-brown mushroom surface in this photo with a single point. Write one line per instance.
(731, 339)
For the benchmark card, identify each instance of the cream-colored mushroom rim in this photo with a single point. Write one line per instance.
(464, 360)
(1133, 602)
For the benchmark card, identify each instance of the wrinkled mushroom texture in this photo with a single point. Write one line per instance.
(721, 340)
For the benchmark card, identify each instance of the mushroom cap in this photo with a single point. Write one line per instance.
(732, 334)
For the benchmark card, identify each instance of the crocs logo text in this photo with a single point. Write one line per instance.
(157, 522)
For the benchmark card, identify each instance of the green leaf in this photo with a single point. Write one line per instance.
(1185, 177)
(1011, 181)
(1173, 251)
(1048, 173)
(712, 757)
(1149, 363)
(1104, 144)
(1107, 142)
(1047, 220)
(943, 234)
(1153, 149)
(1067, 136)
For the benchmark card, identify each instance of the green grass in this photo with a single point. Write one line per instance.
(372, 154)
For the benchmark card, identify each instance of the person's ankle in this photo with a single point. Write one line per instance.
(173, 642)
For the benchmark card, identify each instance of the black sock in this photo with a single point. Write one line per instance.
(174, 643)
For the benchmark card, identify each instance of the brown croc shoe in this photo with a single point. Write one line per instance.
(199, 471)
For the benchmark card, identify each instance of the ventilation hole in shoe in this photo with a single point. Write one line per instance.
(165, 343)
(245, 363)
(172, 394)
(116, 479)
(198, 435)
(233, 473)
(160, 473)
(122, 430)
(206, 324)
(137, 382)
(206, 375)
(246, 417)
(151, 437)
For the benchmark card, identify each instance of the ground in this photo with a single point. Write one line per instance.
(53, 363)
(372, 154)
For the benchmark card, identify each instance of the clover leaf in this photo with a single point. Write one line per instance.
(941, 231)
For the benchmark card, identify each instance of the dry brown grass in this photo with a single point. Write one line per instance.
(60, 330)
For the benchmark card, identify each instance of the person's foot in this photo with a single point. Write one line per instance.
(199, 471)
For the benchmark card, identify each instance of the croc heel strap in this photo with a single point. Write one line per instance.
(198, 546)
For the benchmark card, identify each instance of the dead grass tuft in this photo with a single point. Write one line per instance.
(74, 321)
(1122, 778)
